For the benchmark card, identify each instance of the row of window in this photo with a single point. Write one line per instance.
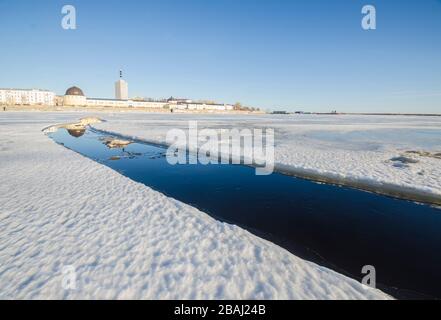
(26, 97)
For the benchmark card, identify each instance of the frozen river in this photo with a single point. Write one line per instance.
(340, 228)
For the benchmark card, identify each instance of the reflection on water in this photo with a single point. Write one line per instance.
(76, 132)
(341, 228)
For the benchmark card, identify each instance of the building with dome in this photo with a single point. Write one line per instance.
(74, 97)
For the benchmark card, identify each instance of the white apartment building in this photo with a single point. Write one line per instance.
(97, 102)
(75, 97)
(29, 97)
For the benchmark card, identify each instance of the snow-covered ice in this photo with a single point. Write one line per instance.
(124, 239)
(346, 148)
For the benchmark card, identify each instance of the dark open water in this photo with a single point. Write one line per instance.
(337, 227)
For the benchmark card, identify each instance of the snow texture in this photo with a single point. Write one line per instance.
(126, 241)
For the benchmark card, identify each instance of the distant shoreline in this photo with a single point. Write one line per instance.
(161, 110)
(383, 114)
(119, 109)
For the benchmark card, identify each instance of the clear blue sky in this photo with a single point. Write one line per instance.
(294, 55)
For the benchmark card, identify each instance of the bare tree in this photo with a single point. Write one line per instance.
(238, 106)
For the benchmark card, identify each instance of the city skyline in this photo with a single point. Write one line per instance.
(273, 55)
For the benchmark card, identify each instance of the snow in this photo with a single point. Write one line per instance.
(125, 240)
(349, 149)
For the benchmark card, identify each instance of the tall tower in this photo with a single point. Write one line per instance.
(121, 88)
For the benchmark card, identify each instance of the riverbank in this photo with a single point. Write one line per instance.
(120, 110)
